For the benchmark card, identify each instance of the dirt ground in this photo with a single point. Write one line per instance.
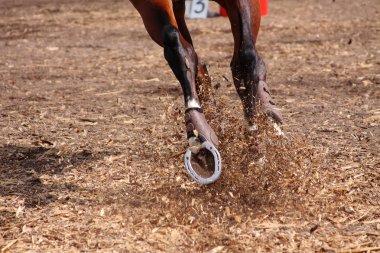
(92, 134)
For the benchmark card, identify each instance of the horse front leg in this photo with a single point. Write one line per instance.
(203, 80)
(161, 23)
(248, 69)
(183, 61)
(160, 20)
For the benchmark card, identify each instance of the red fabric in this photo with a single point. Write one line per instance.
(223, 12)
(264, 7)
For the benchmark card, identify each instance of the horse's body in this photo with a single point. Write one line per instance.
(164, 20)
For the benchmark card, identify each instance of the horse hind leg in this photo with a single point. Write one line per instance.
(248, 69)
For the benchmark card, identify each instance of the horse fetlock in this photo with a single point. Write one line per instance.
(247, 55)
(248, 62)
(246, 74)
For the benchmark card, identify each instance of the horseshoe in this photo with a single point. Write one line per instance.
(217, 161)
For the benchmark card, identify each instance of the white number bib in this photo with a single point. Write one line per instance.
(196, 9)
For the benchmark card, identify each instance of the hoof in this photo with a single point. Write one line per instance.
(267, 105)
(197, 126)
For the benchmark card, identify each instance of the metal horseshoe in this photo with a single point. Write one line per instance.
(217, 160)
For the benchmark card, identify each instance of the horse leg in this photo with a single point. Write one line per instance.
(203, 80)
(160, 21)
(248, 69)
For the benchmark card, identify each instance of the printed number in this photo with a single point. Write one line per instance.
(202, 6)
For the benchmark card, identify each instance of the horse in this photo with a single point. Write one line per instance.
(165, 22)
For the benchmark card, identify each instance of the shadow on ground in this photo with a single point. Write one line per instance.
(21, 168)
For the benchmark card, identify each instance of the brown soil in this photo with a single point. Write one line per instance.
(92, 134)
